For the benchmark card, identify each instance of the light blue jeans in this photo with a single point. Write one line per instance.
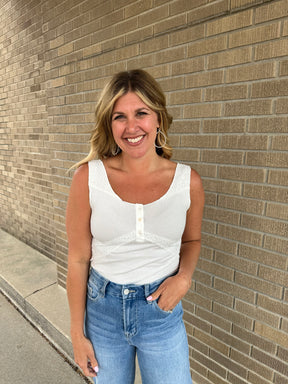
(120, 322)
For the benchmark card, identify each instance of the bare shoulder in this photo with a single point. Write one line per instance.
(196, 186)
(79, 186)
(81, 173)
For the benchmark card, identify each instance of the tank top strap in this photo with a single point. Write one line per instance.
(97, 176)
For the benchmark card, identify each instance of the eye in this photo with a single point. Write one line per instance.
(119, 117)
(141, 113)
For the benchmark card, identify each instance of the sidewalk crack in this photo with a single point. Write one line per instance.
(40, 289)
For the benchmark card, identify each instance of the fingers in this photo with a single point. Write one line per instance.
(85, 358)
(170, 292)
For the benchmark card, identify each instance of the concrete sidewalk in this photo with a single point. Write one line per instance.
(29, 280)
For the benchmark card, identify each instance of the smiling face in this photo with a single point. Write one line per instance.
(134, 125)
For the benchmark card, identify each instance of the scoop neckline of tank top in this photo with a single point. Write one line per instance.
(135, 204)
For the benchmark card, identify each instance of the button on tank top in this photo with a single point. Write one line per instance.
(136, 243)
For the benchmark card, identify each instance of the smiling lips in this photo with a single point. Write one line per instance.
(134, 139)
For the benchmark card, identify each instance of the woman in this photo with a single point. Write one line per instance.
(134, 222)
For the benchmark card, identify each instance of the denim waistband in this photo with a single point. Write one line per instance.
(114, 289)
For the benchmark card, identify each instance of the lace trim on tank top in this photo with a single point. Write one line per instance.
(178, 184)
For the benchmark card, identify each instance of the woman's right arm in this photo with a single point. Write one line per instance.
(79, 254)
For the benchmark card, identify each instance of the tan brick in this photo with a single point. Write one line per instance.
(253, 339)
(214, 319)
(255, 35)
(244, 142)
(265, 225)
(259, 285)
(240, 234)
(188, 66)
(67, 48)
(216, 269)
(281, 106)
(205, 46)
(278, 177)
(274, 88)
(137, 7)
(185, 97)
(251, 364)
(255, 379)
(111, 44)
(214, 295)
(279, 211)
(268, 124)
(204, 79)
(283, 68)
(139, 35)
(206, 170)
(263, 192)
(92, 50)
(255, 71)
(222, 157)
(211, 341)
(231, 315)
(248, 108)
(224, 125)
(137, 62)
(271, 159)
(230, 92)
(126, 52)
(185, 126)
(89, 28)
(244, 174)
(229, 287)
(172, 54)
(263, 257)
(230, 58)
(218, 243)
(230, 23)
(187, 35)
(201, 110)
(154, 15)
(271, 274)
(285, 28)
(174, 84)
(241, 204)
(274, 10)
(170, 23)
(155, 44)
(272, 334)
(257, 313)
(276, 48)
(199, 141)
(208, 10)
(126, 26)
(58, 82)
(182, 6)
(56, 42)
(221, 215)
(186, 155)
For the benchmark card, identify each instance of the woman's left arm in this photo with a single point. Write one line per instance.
(174, 288)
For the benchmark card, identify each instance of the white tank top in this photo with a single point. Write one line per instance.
(136, 243)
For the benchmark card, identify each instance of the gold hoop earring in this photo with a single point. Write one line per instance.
(159, 139)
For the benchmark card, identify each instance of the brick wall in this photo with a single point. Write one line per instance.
(223, 65)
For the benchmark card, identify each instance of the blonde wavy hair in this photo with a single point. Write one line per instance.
(102, 143)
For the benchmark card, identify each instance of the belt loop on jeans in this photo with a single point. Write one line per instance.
(100, 279)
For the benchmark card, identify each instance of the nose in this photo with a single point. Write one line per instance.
(131, 125)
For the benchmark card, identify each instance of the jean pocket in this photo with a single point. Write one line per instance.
(94, 290)
(155, 303)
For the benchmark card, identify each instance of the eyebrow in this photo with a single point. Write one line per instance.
(137, 110)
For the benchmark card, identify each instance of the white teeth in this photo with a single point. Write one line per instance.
(135, 140)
